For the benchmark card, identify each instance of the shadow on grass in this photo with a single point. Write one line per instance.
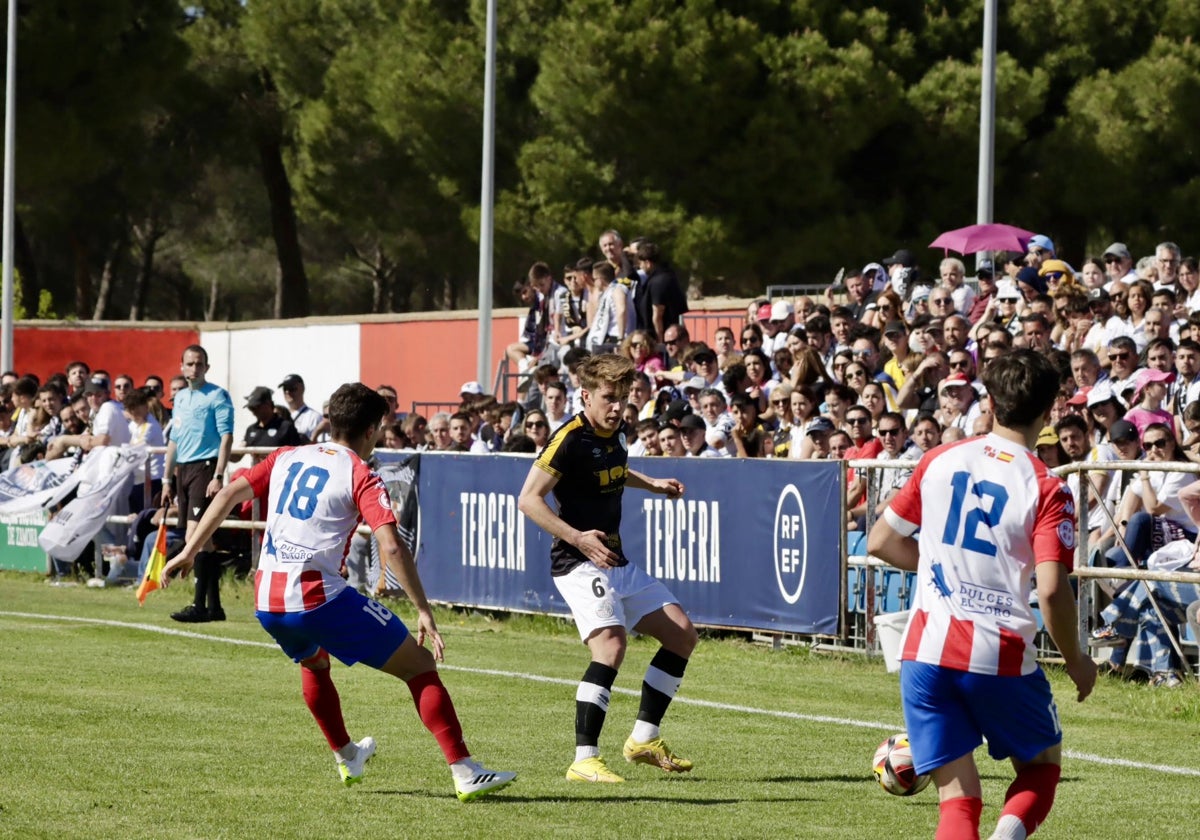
(794, 779)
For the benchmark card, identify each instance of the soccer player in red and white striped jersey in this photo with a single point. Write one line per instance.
(318, 495)
(990, 516)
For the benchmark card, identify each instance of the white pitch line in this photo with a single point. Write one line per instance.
(687, 701)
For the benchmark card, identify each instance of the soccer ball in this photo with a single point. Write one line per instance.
(893, 767)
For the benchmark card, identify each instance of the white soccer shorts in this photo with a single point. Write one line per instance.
(619, 597)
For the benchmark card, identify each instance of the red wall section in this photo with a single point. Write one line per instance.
(137, 351)
(428, 361)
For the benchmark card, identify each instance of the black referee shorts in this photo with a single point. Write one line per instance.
(191, 488)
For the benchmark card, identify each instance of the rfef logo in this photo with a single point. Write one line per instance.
(791, 544)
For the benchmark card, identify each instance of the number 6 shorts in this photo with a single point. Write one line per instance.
(619, 597)
(351, 627)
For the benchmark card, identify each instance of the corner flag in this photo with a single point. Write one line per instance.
(158, 559)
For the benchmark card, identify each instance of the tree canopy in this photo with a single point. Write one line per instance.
(221, 159)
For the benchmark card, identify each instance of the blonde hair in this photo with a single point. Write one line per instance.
(607, 369)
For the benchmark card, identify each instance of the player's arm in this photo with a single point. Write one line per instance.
(399, 559)
(168, 471)
(672, 488)
(218, 478)
(892, 546)
(224, 502)
(532, 503)
(1056, 600)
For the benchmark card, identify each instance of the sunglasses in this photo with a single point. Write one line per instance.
(862, 352)
(1157, 443)
(1111, 260)
(779, 402)
(537, 424)
(670, 342)
(963, 364)
(940, 301)
(858, 420)
(637, 344)
(1120, 357)
(888, 432)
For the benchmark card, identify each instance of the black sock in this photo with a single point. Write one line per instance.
(200, 572)
(591, 703)
(660, 684)
(215, 568)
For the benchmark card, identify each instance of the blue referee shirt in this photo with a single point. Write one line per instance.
(201, 417)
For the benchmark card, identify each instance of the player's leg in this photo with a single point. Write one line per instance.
(1031, 795)
(670, 625)
(960, 798)
(600, 620)
(321, 697)
(1020, 721)
(416, 666)
(943, 736)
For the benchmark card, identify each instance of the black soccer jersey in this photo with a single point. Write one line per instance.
(590, 468)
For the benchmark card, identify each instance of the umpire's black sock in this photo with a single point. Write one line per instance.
(591, 706)
(215, 568)
(200, 571)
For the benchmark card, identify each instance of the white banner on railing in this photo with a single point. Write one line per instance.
(104, 479)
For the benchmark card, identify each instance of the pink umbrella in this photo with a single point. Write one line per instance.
(990, 237)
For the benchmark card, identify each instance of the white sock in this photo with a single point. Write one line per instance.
(586, 752)
(348, 752)
(464, 768)
(1009, 827)
(643, 731)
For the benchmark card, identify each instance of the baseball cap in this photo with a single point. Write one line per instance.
(1047, 437)
(1040, 240)
(97, 385)
(781, 309)
(764, 312)
(1007, 290)
(705, 355)
(677, 410)
(819, 424)
(1030, 277)
(1099, 295)
(1101, 393)
(1080, 397)
(921, 292)
(1148, 376)
(894, 327)
(954, 380)
(1122, 431)
(259, 396)
(291, 380)
(695, 382)
(902, 257)
(471, 387)
(692, 422)
(1118, 249)
(1056, 266)
(985, 269)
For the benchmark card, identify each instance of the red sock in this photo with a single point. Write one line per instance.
(1031, 794)
(959, 818)
(321, 695)
(437, 713)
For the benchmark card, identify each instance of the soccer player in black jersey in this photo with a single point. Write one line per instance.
(584, 464)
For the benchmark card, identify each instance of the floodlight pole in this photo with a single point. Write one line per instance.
(486, 202)
(10, 123)
(987, 117)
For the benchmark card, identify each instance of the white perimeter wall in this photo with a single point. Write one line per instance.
(326, 355)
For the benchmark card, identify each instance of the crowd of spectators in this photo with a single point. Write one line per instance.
(884, 366)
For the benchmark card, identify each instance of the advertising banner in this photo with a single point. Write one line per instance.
(753, 543)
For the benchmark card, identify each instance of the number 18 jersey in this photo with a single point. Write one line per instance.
(988, 512)
(318, 495)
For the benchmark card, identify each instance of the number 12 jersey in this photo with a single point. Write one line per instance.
(988, 511)
(318, 495)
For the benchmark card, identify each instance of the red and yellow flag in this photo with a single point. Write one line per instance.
(158, 559)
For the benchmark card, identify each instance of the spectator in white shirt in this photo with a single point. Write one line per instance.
(305, 418)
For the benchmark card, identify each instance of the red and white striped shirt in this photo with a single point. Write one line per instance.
(988, 511)
(318, 495)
